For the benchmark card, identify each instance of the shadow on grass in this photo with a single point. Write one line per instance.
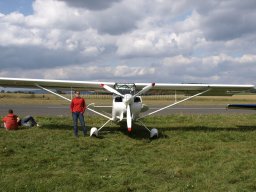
(139, 132)
(210, 129)
(57, 126)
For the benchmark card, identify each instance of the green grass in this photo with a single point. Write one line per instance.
(193, 153)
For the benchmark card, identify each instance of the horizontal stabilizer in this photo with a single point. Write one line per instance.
(242, 106)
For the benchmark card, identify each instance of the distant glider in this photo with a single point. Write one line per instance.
(127, 101)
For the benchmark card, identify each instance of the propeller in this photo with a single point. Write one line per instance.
(112, 90)
(129, 118)
(142, 91)
(145, 89)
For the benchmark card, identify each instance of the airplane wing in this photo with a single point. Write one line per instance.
(54, 84)
(213, 89)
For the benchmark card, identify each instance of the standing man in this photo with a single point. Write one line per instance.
(77, 108)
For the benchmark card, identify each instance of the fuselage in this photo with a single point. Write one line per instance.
(119, 107)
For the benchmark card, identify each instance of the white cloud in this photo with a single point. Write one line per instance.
(191, 23)
(55, 14)
(226, 20)
(123, 71)
(209, 69)
(120, 73)
(247, 59)
(93, 5)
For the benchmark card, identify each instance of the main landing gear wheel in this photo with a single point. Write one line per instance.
(94, 132)
(153, 133)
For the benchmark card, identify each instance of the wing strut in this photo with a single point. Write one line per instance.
(173, 104)
(50, 91)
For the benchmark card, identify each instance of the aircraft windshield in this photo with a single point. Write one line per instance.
(125, 88)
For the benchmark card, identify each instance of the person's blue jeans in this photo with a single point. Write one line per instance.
(80, 116)
(28, 121)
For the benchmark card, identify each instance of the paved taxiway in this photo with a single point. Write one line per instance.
(63, 110)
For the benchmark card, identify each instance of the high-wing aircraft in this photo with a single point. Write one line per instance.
(127, 101)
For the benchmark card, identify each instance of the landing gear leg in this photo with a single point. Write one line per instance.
(153, 132)
(94, 131)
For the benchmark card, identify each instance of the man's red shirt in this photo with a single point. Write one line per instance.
(78, 105)
(11, 121)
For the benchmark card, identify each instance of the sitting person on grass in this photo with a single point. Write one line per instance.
(12, 121)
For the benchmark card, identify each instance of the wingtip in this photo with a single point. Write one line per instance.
(102, 85)
(129, 129)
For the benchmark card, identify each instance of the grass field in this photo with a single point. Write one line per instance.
(193, 153)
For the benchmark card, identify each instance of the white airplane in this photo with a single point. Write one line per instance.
(127, 101)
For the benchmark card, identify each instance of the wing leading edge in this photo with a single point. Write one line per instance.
(214, 89)
(64, 84)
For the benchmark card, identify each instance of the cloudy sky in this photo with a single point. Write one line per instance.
(185, 41)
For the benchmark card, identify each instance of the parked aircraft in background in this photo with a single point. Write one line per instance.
(242, 106)
(127, 101)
